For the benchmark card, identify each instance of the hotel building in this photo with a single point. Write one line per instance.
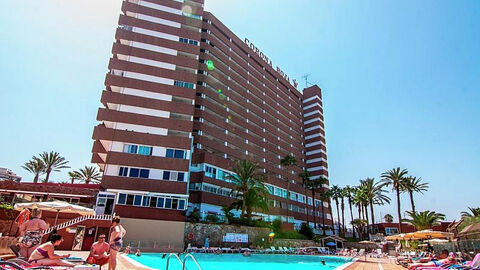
(184, 99)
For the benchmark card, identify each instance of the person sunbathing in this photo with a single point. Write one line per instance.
(443, 258)
(44, 254)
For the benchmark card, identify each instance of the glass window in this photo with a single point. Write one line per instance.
(180, 177)
(170, 153)
(122, 198)
(130, 148)
(160, 202)
(138, 200)
(284, 194)
(134, 172)
(101, 201)
(179, 154)
(129, 199)
(174, 203)
(123, 171)
(181, 204)
(153, 201)
(168, 203)
(166, 175)
(145, 150)
(221, 175)
(270, 189)
(144, 173)
(146, 201)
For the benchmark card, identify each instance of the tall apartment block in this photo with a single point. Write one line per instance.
(184, 99)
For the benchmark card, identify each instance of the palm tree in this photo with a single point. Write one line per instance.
(424, 220)
(53, 162)
(396, 177)
(88, 174)
(349, 194)
(73, 176)
(342, 207)
(287, 162)
(374, 195)
(361, 201)
(475, 212)
(325, 197)
(336, 193)
(313, 185)
(246, 176)
(388, 218)
(35, 166)
(305, 176)
(359, 225)
(414, 184)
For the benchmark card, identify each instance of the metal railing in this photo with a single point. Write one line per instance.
(77, 220)
(178, 258)
(189, 255)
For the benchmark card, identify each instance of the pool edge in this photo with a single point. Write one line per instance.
(137, 264)
(345, 265)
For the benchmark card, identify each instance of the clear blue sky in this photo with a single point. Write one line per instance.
(401, 82)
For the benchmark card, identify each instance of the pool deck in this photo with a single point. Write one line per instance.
(360, 264)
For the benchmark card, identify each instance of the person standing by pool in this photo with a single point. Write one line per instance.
(32, 233)
(116, 236)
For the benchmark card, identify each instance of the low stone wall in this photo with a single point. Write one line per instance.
(359, 246)
(294, 243)
(215, 233)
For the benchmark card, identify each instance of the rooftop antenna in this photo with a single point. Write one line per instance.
(306, 80)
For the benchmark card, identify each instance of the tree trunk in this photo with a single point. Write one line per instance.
(412, 202)
(338, 218)
(323, 219)
(399, 212)
(372, 214)
(244, 203)
(351, 214)
(342, 206)
(35, 179)
(365, 209)
(288, 191)
(48, 176)
(306, 205)
(313, 209)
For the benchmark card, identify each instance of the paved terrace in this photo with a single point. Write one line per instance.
(360, 264)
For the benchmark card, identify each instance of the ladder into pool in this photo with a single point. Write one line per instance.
(182, 263)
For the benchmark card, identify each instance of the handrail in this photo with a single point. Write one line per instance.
(77, 220)
(178, 258)
(193, 258)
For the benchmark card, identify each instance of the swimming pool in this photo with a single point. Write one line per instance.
(240, 262)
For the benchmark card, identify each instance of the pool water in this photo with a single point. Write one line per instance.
(240, 262)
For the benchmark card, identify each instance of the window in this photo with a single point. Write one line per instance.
(180, 177)
(134, 172)
(188, 41)
(160, 202)
(123, 171)
(153, 201)
(166, 175)
(144, 173)
(168, 203)
(270, 189)
(130, 148)
(146, 201)
(138, 200)
(145, 150)
(181, 204)
(122, 198)
(183, 84)
(210, 172)
(174, 203)
(391, 231)
(129, 199)
(175, 153)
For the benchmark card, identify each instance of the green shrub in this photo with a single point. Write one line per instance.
(212, 218)
(277, 226)
(6, 206)
(290, 235)
(306, 230)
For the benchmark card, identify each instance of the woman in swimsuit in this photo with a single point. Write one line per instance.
(116, 236)
(32, 232)
(44, 254)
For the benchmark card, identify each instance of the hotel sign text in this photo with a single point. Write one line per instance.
(268, 61)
